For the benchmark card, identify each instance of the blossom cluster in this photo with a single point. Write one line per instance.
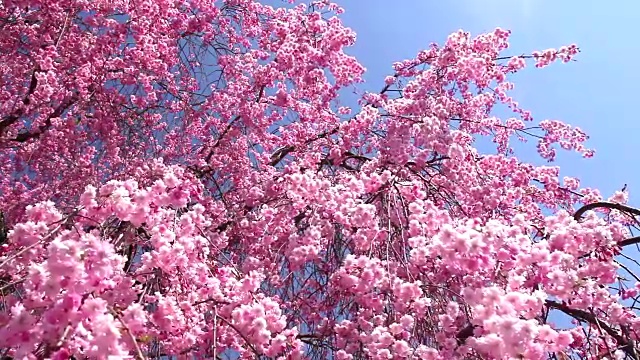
(183, 178)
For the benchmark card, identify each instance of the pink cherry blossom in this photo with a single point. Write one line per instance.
(185, 178)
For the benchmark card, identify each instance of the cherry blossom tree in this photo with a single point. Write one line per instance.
(184, 178)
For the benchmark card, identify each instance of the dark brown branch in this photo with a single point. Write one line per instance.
(26, 136)
(626, 345)
(605, 204)
(280, 154)
(4, 229)
(609, 205)
(226, 130)
(12, 118)
(629, 241)
(465, 333)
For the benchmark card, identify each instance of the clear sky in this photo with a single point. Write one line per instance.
(597, 93)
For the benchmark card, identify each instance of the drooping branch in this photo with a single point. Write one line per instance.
(626, 345)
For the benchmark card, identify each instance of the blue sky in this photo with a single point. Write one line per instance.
(597, 93)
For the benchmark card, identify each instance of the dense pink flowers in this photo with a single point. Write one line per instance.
(183, 178)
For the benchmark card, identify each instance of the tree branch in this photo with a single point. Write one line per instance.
(628, 346)
(13, 117)
(605, 204)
